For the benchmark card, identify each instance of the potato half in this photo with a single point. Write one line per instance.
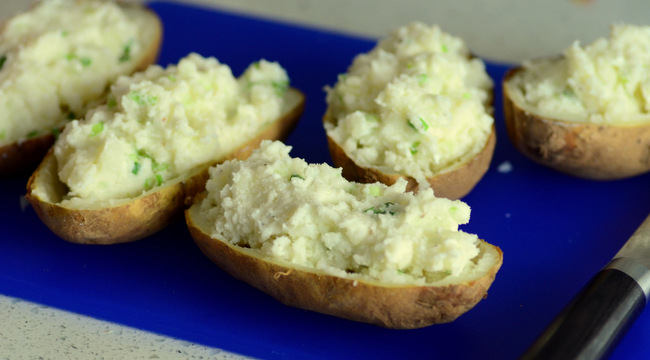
(453, 182)
(386, 305)
(24, 154)
(585, 150)
(136, 218)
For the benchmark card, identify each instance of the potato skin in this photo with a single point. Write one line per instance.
(453, 183)
(25, 155)
(390, 306)
(142, 216)
(584, 150)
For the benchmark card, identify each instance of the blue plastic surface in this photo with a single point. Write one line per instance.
(555, 232)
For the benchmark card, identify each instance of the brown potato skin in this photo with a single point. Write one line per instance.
(395, 307)
(24, 155)
(452, 184)
(590, 151)
(144, 215)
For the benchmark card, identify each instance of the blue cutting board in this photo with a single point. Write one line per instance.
(555, 232)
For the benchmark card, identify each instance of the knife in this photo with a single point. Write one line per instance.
(595, 321)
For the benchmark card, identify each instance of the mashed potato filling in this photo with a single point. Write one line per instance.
(58, 58)
(160, 123)
(607, 81)
(414, 105)
(309, 215)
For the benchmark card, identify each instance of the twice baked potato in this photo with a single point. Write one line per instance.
(419, 107)
(585, 113)
(366, 252)
(120, 175)
(57, 60)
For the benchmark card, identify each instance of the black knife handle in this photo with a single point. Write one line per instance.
(594, 322)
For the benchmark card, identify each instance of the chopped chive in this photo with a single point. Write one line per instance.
(256, 64)
(111, 102)
(171, 77)
(142, 99)
(296, 176)
(371, 118)
(97, 128)
(85, 61)
(136, 168)
(126, 51)
(467, 95)
(149, 182)
(32, 133)
(382, 210)
(411, 125)
(3, 58)
(158, 167)
(414, 147)
(64, 33)
(280, 87)
(444, 48)
(56, 132)
(159, 179)
(425, 125)
(374, 190)
(422, 78)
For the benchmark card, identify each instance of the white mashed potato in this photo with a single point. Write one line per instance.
(605, 82)
(59, 58)
(160, 123)
(309, 215)
(414, 105)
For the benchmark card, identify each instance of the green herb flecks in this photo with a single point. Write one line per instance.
(444, 48)
(111, 102)
(414, 148)
(56, 132)
(296, 176)
(425, 125)
(142, 99)
(374, 190)
(422, 78)
(136, 168)
(382, 210)
(371, 118)
(149, 183)
(3, 58)
(32, 134)
(83, 60)
(97, 128)
(280, 87)
(126, 51)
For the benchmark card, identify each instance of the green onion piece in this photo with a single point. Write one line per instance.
(467, 95)
(382, 210)
(111, 102)
(56, 132)
(136, 168)
(32, 133)
(64, 33)
(148, 184)
(159, 179)
(422, 78)
(158, 167)
(126, 51)
(85, 61)
(444, 48)
(256, 64)
(425, 125)
(171, 77)
(280, 87)
(411, 125)
(374, 190)
(3, 58)
(296, 176)
(97, 128)
(371, 118)
(414, 147)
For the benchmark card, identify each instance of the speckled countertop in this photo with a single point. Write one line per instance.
(33, 331)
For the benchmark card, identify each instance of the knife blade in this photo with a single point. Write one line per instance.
(598, 317)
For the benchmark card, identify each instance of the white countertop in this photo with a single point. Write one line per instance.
(514, 30)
